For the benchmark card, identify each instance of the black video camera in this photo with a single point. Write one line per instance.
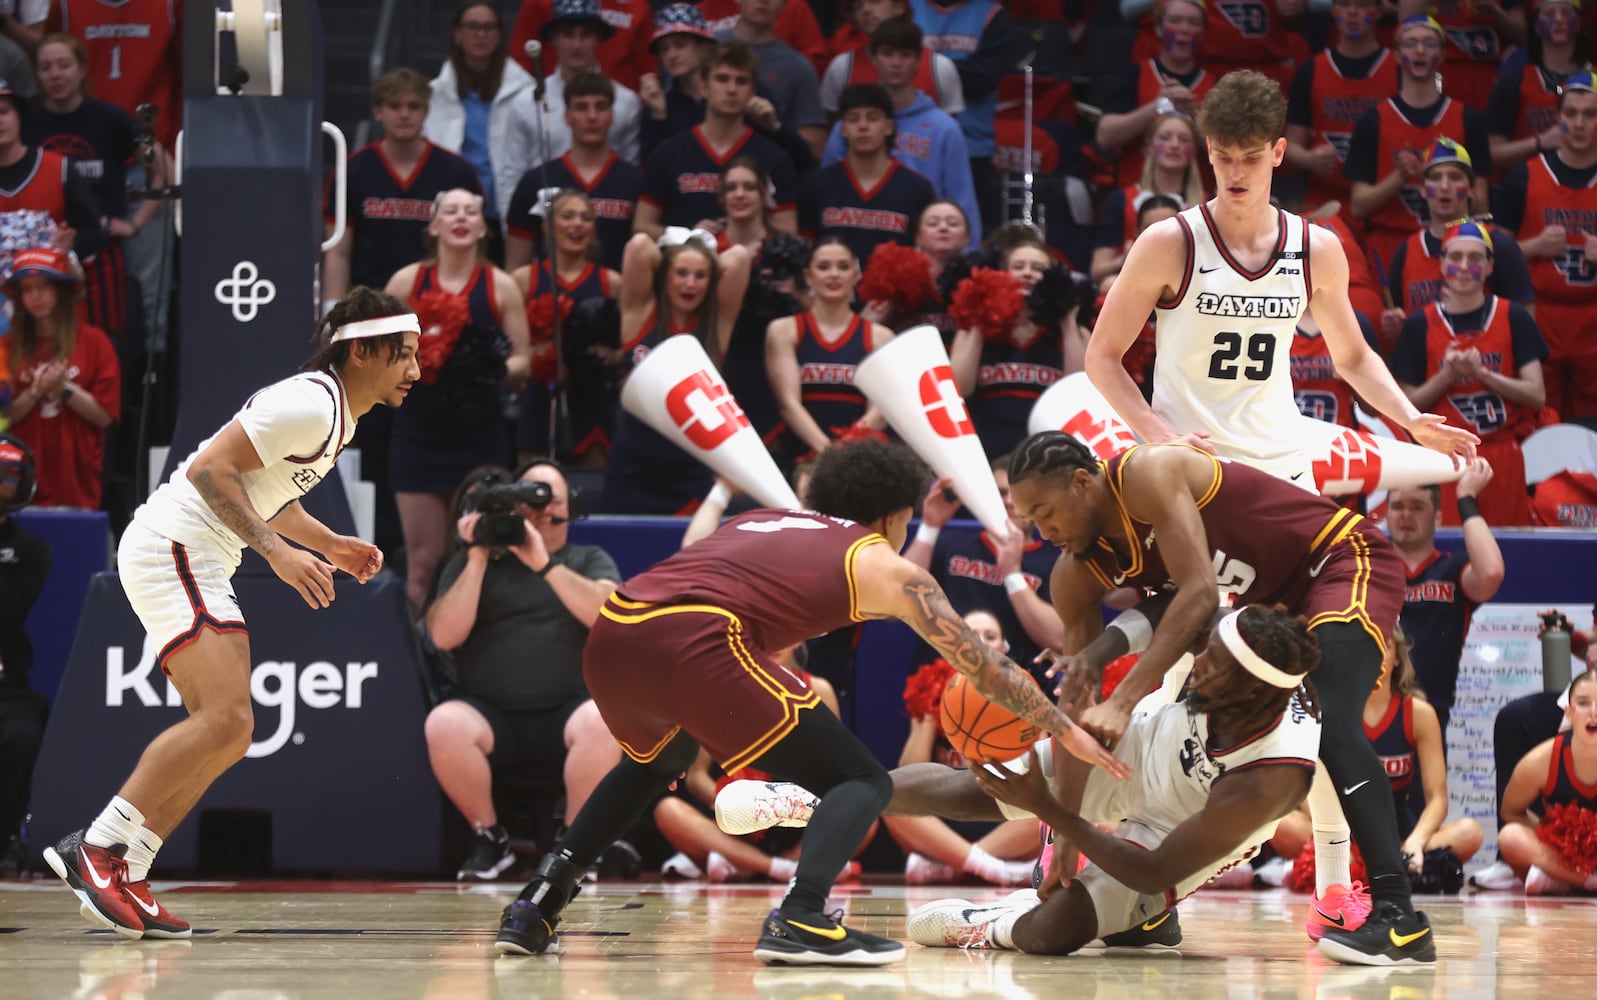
(501, 526)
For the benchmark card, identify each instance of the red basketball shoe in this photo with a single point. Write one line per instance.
(158, 921)
(1342, 908)
(99, 877)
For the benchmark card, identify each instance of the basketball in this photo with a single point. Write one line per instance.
(982, 731)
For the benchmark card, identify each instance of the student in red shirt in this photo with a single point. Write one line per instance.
(66, 377)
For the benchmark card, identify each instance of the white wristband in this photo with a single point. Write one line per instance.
(1014, 583)
(928, 534)
(1134, 625)
(719, 495)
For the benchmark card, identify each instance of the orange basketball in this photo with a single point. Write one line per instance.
(980, 730)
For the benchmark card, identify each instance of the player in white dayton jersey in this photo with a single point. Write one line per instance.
(1227, 280)
(241, 487)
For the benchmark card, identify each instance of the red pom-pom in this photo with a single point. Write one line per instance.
(743, 774)
(541, 332)
(923, 691)
(1571, 830)
(442, 317)
(857, 432)
(1303, 869)
(989, 302)
(899, 275)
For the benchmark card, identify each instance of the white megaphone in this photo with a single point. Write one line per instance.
(911, 381)
(1348, 460)
(678, 392)
(1074, 405)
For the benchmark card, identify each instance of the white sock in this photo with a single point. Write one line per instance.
(118, 823)
(782, 869)
(141, 855)
(984, 866)
(1333, 854)
(1001, 933)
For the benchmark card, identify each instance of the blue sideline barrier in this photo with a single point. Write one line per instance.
(339, 704)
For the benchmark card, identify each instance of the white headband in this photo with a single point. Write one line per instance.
(403, 323)
(1252, 662)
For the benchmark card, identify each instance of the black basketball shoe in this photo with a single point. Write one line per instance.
(817, 939)
(1163, 931)
(1389, 936)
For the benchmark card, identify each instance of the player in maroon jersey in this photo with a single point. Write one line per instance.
(679, 657)
(1161, 516)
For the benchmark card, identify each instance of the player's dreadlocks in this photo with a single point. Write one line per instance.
(361, 303)
(1053, 454)
(1284, 642)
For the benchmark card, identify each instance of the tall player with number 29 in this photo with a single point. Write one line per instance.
(1228, 281)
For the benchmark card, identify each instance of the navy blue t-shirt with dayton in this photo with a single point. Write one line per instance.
(682, 177)
(1435, 619)
(613, 193)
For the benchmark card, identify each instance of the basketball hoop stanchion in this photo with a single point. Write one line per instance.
(251, 172)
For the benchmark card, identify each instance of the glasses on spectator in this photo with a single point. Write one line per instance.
(480, 27)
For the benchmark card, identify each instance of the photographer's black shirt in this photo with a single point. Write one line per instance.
(524, 651)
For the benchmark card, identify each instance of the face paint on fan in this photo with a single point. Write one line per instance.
(1552, 17)
(1434, 189)
(1353, 22)
(1455, 272)
(1169, 38)
(1182, 146)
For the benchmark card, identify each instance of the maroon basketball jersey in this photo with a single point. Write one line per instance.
(788, 575)
(1269, 539)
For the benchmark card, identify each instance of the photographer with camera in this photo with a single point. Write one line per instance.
(514, 606)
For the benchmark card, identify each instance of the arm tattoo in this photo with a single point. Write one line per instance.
(994, 675)
(234, 511)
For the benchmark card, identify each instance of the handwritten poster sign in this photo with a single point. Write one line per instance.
(1502, 661)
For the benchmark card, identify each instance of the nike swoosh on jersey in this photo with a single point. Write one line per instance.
(1206, 270)
(830, 933)
(1402, 940)
(102, 883)
(1315, 571)
(1353, 788)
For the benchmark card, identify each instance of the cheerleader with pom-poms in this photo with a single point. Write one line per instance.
(579, 278)
(1549, 834)
(1016, 335)
(473, 348)
(900, 287)
(810, 358)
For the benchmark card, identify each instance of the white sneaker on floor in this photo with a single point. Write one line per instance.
(1495, 877)
(959, 923)
(718, 868)
(679, 865)
(1539, 883)
(921, 870)
(743, 807)
(1273, 872)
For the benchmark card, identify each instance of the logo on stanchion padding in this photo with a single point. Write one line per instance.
(1352, 464)
(1107, 437)
(246, 291)
(944, 406)
(704, 410)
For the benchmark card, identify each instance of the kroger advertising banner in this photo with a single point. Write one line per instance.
(338, 728)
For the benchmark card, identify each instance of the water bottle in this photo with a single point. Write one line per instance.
(1555, 652)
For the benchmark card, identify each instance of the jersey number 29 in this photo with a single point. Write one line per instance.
(1224, 363)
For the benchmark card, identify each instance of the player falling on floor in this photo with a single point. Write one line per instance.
(241, 487)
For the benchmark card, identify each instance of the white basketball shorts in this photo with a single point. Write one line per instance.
(177, 590)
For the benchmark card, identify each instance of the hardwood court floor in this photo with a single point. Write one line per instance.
(343, 941)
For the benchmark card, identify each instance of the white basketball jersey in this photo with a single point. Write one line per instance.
(298, 427)
(1225, 346)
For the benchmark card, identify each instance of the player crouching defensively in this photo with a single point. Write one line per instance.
(240, 487)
